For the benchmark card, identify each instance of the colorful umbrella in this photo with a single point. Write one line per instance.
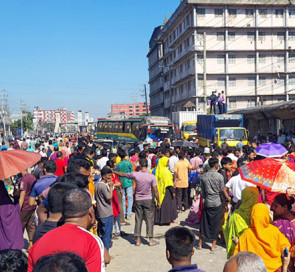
(271, 150)
(271, 174)
(13, 162)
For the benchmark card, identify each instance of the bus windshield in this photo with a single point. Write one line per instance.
(161, 132)
(190, 128)
(232, 134)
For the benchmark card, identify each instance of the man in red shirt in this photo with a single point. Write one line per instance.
(61, 166)
(73, 236)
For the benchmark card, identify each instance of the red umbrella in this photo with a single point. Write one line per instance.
(13, 162)
(270, 174)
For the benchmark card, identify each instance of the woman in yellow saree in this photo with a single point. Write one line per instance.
(168, 212)
(263, 239)
(240, 219)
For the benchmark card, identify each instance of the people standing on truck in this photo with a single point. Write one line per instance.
(213, 98)
(219, 103)
(223, 101)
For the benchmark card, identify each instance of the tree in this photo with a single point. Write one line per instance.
(27, 123)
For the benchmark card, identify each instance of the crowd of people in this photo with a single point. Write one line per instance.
(77, 198)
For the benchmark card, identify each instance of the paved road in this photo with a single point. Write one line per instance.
(127, 257)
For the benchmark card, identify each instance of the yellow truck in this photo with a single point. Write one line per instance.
(189, 130)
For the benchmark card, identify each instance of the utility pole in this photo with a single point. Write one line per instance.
(21, 117)
(205, 72)
(146, 102)
(3, 114)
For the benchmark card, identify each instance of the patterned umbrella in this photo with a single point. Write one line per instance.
(13, 162)
(271, 174)
(271, 150)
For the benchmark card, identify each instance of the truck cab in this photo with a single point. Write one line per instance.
(231, 134)
(189, 130)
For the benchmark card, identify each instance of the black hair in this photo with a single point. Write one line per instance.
(50, 166)
(89, 150)
(197, 152)
(103, 152)
(143, 162)
(225, 160)
(241, 161)
(60, 262)
(81, 181)
(212, 162)
(58, 154)
(56, 148)
(181, 155)
(12, 260)
(121, 153)
(179, 242)
(74, 166)
(81, 146)
(56, 193)
(112, 155)
(214, 154)
(105, 171)
(110, 164)
(76, 203)
(283, 200)
(142, 155)
(50, 142)
(136, 150)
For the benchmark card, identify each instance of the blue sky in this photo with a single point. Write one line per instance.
(82, 54)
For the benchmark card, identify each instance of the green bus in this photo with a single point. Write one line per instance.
(135, 129)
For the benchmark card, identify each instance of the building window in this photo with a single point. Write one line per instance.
(232, 13)
(279, 13)
(291, 36)
(218, 12)
(281, 58)
(262, 81)
(251, 36)
(187, 42)
(292, 13)
(188, 64)
(231, 59)
(220, 59)
(221, 82)
(249, 13)
(200, 59)
(263, 13)
(251, 81)
(251, 59)
(292, 58)
(281, 36)
(220, 36)
(281, 81)
(261, 36)
(262, 58)
(291, 80)
(231, 36)
(181, 68)
(232, 82)
(201, 12)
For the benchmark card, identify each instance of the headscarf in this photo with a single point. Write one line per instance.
(164, 177)
(11, 233)
(240, 219)
(263, 239)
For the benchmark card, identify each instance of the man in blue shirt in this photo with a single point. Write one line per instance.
(180, 243)
(44, 182)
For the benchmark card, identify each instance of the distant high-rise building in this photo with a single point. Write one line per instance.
(244, 48)
(128, 110)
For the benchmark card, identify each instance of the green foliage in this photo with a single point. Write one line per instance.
(27, 122)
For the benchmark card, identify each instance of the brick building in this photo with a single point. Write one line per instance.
(128, 110)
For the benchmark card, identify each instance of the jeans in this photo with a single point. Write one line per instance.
(106, 231)
(117, 224)
(129, 192)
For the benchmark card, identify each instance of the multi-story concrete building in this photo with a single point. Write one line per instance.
(128, 110)
(49, 116)
(245, 48)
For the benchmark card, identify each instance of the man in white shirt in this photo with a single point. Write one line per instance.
(172, 160)
(101, 163)
(231, 154)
